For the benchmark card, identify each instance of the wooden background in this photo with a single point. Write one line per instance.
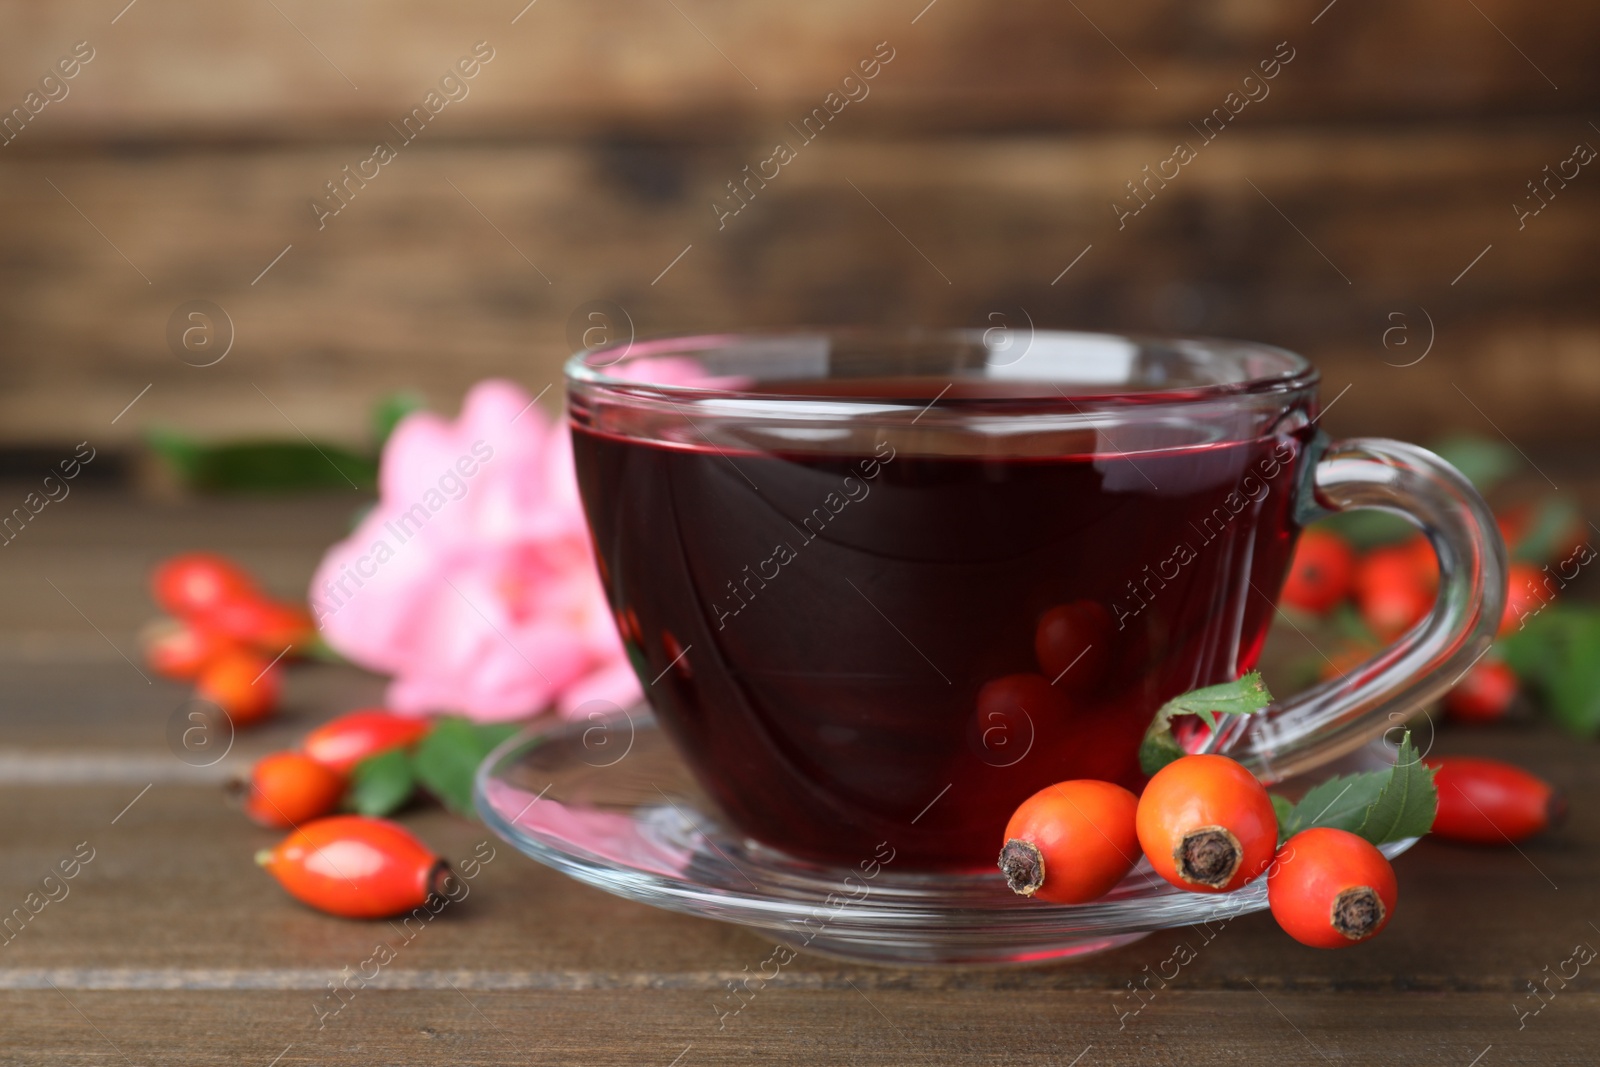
(1349, 202)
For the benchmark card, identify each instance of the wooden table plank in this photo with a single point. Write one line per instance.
(196, 70)
(174, 946)
(172, 890)
(664, 1027)
(410, 288)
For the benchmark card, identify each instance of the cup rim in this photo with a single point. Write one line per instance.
(591, 368)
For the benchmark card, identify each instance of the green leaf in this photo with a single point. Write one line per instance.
(1283, 808)
(1348, 623)
(1486, 463)
(1340, 802)
(1368, 528)
(390, 409)
(1381, 806)
(1558, 653)
(1554, 519)
(447, 758)
(381, 784)
(1158, 749)
(1242, 696)
(1406, 805)
(319, 649)
(261, 465)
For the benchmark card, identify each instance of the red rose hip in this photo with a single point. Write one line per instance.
(1394, 587)
(1526, 595)
(268, 626)
(1329, 888)
(1487, 802)
(1484, 695)
(344, 742)
(1071, 842)
(356, 867)
(196, 583)
(181, 650)
(1073, 644)
(1322, 572)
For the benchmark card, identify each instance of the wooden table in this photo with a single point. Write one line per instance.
(171, 947)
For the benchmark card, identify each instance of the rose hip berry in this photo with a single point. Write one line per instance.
(181, 650)
(1008, 711)
(1071, 842)
(357, 867)
(344, 742)
(1394, 588)
(1484, 695)
(268, 626)
(288, 788)
(242, 684)
(1322, 572)
(1526, 594)
(1206, 824)
(192, 584)
(1329, 888)
(1487, 802)
(1073, 644)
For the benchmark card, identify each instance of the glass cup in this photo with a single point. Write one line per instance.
(884, 586)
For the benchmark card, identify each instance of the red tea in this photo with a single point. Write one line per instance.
(885, 645)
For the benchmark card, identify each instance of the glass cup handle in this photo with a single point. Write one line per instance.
(1340, 715)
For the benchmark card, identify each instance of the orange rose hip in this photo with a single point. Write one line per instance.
(288, 788)
(244, 685)
(356, 867)
(1071, 842)
(1321, 572)
(1206, 824)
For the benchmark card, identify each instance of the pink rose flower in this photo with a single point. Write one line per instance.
(472, 581)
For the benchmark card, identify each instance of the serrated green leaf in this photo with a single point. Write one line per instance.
(448, 757)
(1406, 805)
(381, 784)
(1340, 802)
(1381, 806)
(1242, 696)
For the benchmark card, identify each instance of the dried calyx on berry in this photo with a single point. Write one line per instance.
(1023, 865)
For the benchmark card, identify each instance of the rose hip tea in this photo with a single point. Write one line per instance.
(863, 633)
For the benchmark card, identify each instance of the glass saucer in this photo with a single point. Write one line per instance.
(610, 803)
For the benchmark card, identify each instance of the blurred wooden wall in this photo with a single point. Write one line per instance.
(1344, 212)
